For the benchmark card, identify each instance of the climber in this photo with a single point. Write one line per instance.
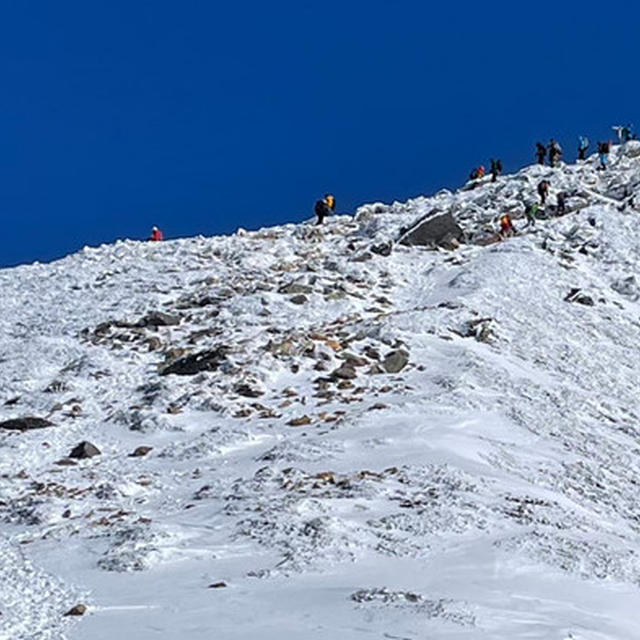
(478, 173)
(496, 169)
(506, 226)
(561, 199)
(603, 151)
(543, 191)
(325, 207)
(531, 212)
(583, 145)
(555, 151)
(541, 152)
(626, 133)
(156, 235)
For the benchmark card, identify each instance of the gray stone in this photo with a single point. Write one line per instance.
(25, 424)
(84, 450)
(294, 288)
(159, 319)
(395, 361)
(345, 371)
(299, 299)
(433, 229)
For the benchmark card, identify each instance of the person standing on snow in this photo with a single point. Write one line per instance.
(543, 191)
(324, 207)
(156, 235)
(531, 213)
(583, 145)
(541, 152)
(506, 226)
(496, 169)
(603, 151)
(562, 203)
(555, 151)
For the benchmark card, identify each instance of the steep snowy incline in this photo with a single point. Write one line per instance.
(301, 438)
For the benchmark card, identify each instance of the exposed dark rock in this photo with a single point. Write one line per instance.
(382, 249)
(294, 288)
(395, 361)
(576, 295)
(159, 319)
(84, 450)
(299, 422)
(25, 424)
(299, 299)
(248, 390)
(78, 610)
(217, 585)
(195, 363)
(140, 452)
(345, 371)
(433, 229)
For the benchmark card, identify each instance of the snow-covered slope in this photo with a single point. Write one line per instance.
(428, 444)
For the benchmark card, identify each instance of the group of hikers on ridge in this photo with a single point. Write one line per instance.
(326, 206)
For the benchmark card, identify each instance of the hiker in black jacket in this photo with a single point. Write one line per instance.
(325, 207)
(541, 152)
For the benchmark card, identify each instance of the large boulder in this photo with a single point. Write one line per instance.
(395, 361)
(436, 228)
(195, 363)
(25, 424)
(84, 450)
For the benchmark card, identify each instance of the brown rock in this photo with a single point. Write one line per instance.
(345, 371)
(299, 422)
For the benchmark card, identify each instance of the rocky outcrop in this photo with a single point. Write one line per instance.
(84, 450)
(436, 228)
(25, 424)
(195, 363)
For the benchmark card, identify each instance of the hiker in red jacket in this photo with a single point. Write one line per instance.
(506, 226)
(156, 235)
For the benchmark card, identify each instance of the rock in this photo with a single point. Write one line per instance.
(395, 361)
(66, 462)
(294, 288)
(217, 585)
(25, 424)
(345, 371)
(362, 257)
(299, 299)
(382, 249)
(154, 343)
(576, 295)
(140, 452)
(353, 359)
(78, 610)
(431, 230)
(249, 390)
(189, 365)
(84, 450)
(159, 319)
(299, 422)
(372, 353)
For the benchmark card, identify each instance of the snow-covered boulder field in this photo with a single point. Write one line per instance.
(310, 433)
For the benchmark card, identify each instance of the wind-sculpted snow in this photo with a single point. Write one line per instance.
(309, 432)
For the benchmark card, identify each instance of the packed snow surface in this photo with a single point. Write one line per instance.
(338, 443)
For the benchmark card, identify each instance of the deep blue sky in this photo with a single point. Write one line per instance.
(204, 116)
